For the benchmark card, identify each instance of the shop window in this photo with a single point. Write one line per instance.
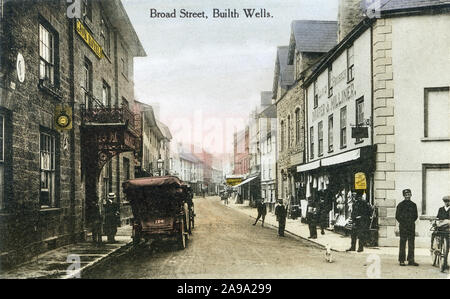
(106, 95)
(48, 54)
(330, 133)
(330, 81)
(316, 95)
(47, 169)
(2, 161)
(343, 127)
(105, 35)
(350, 63)
(359, 115)
(435, 178)
(437, 109)
(311, 142)
(320, 138)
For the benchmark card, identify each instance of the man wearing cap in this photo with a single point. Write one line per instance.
(406, 216)
(280, 212)
(444, 218)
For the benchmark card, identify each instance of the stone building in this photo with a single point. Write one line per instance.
(79, 70)
(400, 73)
(309, 41)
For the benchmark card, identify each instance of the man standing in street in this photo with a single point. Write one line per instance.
(361, 213)
(280, 212)
(262, 211)
(311, 217)
(406, 216)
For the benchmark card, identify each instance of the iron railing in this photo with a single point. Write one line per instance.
(94, 111)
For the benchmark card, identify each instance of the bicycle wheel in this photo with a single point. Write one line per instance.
(434, 250)
(442, 255)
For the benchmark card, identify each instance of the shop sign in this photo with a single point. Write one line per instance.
(360, 132)
(234, 181)
(335, 102)
(89, 39)
(360, 181)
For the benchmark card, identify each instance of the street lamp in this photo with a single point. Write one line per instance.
(160, 164)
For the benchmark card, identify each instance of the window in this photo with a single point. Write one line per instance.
(289, 131)
(126, 168)
(105, 36)
(297, 126)
(2, 161)
(125, 103)
(316, 95)
(47, 169)
(124, 61)
(359, 115)
(437, 109)
(330, 81)
(106, 95)
(282, 136)
(87, 82)
(350, 64)
(87, 9)
(343, 127)
(330, 133)
(320, 136)
(435, 178)
(46, 54)
(311, 142)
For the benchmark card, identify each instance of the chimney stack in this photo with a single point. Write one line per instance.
(350, 14)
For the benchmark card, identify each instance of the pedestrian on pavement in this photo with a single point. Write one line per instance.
(311, 218)
(262, 211)
(323, 213)
(281, 213)
(112, 218)
(361, 213)
(442, 224)
(96, 224)
(406, 215)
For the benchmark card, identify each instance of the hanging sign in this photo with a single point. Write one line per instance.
(20, 68)
(360, 181)
(63, 118)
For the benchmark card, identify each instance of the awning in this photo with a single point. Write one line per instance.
(309, 166)
(342, 158)
(245, 182)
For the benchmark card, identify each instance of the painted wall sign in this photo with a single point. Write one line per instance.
(20, 68)
(335, 102)
(89, 40)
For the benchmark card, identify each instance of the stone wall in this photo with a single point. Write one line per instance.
(384, 130)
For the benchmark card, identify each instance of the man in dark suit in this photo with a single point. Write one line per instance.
(262, 211)
(406, 216)
(361, 213)
(281, 213)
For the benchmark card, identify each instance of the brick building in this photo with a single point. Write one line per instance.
(51, 66)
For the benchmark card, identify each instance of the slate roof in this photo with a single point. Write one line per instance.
(286, 71)
(390, 5)
(314, 36)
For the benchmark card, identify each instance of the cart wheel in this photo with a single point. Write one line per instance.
(181, 237)
(443, 251)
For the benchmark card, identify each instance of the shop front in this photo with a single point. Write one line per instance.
(330, 186)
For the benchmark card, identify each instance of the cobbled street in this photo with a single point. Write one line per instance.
(225, 244)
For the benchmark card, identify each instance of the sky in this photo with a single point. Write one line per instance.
(207, 74)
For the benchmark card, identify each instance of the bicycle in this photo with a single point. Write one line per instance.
(440, 243)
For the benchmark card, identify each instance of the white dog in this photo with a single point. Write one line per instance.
(328, 256)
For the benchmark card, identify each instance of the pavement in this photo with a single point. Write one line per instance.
(337, 242)
(71, 261)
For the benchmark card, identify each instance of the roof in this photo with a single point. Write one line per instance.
(164, 129)
(392, 5)
(189, 157)
(314, 36)
(269, 112)
(286, 75)
(152, 182)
